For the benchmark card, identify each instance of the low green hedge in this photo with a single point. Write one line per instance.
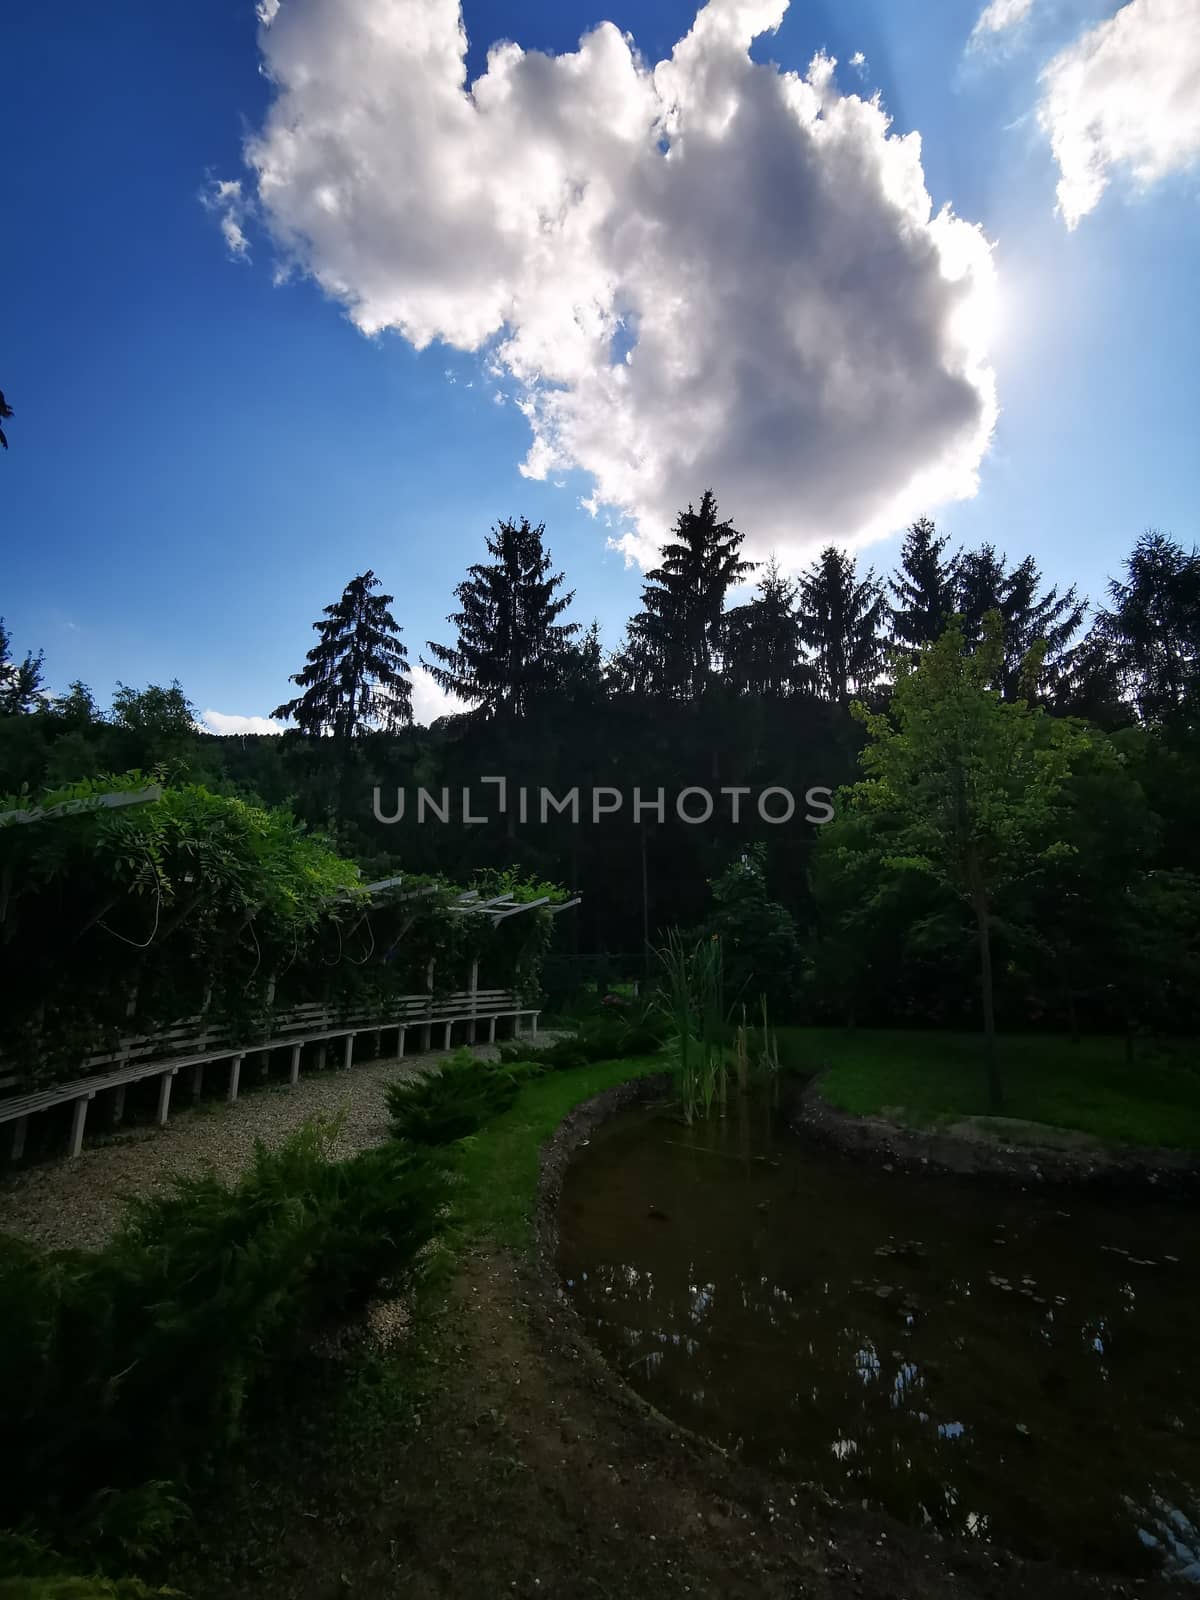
(134, 1364)
(441, 1107)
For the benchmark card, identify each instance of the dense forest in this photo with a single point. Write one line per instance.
(1012, 766)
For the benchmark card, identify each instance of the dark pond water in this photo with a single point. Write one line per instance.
(1002, 1364)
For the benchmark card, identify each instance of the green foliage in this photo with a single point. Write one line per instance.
(961, 788)
(356, 676)
(156, 904)
(21, 688)
(138, 1362)
(64, 1586)
(623, 1033)
(925, 1078)
(451, 1102)
(1151, 628)
(692, 990)
(759, 943)
(498, 1175)
(762, 651)
(207, 902)
(841, 618)
(511, 647)
(672, 644)
(167, 713)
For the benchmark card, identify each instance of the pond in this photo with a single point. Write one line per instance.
(1004, 1364)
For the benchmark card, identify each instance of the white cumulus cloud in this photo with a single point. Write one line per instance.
(224, 197)
(228, 722)
(429, 702)
(703, 272)
(1124, 95)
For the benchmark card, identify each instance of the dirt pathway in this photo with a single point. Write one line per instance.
(530, 1472)
(78, 1203)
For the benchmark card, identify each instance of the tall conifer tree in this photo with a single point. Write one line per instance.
(925, 588)
(511, 646)
(357, 676)
(675, 642)
(841, 621)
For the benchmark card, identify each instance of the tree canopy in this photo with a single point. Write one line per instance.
(356, 675)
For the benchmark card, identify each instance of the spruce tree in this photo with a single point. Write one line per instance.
(1029, 614)
(356, 677)
(675, 641)
(511, 646)
(841, 620)
(1151, 628)
(762, 649)
(925, 588)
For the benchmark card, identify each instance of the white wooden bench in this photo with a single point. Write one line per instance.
(190, 1046)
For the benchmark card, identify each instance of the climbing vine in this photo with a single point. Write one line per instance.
(119, 919)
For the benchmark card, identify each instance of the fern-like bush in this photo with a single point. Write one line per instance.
(136, 1362)
(606, 1039)
(456, 1100)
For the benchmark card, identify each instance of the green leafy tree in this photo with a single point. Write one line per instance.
(925, 587)
(356, 678)
(964, 787)
(676, 639)
(20, 681)
(511, 647)
(841, 620)
(164, 712)
(77, 708)
(757, 934)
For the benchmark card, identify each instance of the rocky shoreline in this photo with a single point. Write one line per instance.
(975, 1147)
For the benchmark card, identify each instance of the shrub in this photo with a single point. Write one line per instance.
(456, 1100)
(610, 1038)
(137, 1361)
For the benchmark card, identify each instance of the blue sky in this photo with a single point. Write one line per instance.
(201, 457)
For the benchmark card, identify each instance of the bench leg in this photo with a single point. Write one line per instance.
(376, 1038)
(118, 1105)
(446, 1035)
(400, 1041)
(19, 1129)
(425, 1037)
(491, 1030)
(533, 1026)
(79, 1113)
(197, 1080)
(235, 1073)
(348, 1052)
(294, 1074)
(321, 1054)
(164, 1097)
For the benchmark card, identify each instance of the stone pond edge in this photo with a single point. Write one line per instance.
(1115, 1167)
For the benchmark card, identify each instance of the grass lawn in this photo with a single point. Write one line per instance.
(927, 1078)
(499, 1165)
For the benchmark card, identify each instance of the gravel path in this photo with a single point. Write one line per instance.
(78, 1203)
